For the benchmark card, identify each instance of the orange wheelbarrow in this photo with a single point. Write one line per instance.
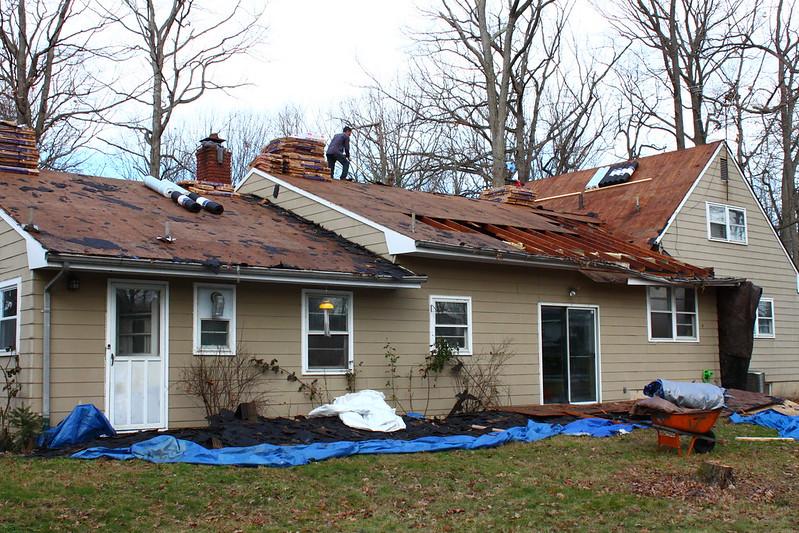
(697, 425)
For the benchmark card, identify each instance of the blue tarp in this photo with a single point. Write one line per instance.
(83, 424)
(168, 449)
(786, 426)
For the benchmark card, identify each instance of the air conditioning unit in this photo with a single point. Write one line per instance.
(756, 381)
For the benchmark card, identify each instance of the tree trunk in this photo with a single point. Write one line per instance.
(789, 233)
(674, 76)
(22, 88)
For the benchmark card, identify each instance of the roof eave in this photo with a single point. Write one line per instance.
(113, 265)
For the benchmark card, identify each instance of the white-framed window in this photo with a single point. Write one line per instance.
(726, 223)
(9, 316)
(451, 320)
(764, 322)
(327, 342)
(672, 314)
(214, 319)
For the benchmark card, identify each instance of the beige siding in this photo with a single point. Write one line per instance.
(762, 261)
(14, 264)
(328, 218)
(505, 307)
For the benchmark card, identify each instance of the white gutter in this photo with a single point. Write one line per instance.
(46, 345)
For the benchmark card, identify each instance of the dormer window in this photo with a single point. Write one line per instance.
(726, 223)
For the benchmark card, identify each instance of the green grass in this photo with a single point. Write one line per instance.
(563, 483)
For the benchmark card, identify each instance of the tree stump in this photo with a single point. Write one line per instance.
(716, 474)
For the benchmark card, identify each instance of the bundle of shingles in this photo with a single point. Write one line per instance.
(18, 152)
(207, 188)
(292, 156)
(510, 194)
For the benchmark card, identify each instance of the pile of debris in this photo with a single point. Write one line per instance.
(18, 152)
(510, 194)
(292, 156)
(204, 188)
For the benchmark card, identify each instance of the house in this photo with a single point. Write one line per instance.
(111, 290)
(696, 206)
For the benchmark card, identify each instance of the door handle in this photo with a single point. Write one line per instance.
(112, 354)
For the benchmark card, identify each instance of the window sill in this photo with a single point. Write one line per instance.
(330, 372)
(756, 337)
(725, 241)
(659, 341)
(212, 353)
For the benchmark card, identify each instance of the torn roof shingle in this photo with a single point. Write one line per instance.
(639, 209)
(113, 218)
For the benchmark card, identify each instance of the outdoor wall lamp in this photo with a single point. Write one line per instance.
(73, 283)
(217, 304)
(572, 292)
(326, 305)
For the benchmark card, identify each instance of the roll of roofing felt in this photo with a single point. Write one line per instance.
(170, 190)
(205, 203)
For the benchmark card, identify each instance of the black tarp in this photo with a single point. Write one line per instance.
(737, 309)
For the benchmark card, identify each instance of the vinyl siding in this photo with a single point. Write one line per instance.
(14, 264)
(504, 308)
(762, 261)
(330, 219)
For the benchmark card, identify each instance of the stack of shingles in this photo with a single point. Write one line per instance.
(292, 156)
(510, 194)
(18, 152)
(207, 188)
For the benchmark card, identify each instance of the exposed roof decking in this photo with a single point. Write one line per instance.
(110, 218)
(637, 210)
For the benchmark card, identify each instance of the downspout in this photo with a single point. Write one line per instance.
(46, 346)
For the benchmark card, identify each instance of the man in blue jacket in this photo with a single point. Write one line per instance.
(339, 150)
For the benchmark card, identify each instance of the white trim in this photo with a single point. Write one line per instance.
(37, 255)
(5, 284)
(197, 348)
(396, 242)
(232, 276)
(773, 333)
(674, 337)
(727, 208)
(684, 201)
(469, 349)
(306, 371)
(598, 336)
(110, 327)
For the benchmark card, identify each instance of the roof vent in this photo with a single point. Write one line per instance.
(619, 173)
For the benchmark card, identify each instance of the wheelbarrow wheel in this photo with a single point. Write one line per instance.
(703, 445)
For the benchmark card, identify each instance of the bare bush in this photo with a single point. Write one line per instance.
(223, 382)
(479, 379)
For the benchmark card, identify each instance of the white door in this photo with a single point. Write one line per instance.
(136, 357)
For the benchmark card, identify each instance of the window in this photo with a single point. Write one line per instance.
(9, 302)
(726, 223)
(214, 320)
(451, 320)
(672, 313)
(327, 333)
(764, 322)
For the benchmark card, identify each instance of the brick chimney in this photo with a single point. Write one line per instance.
(213, 161)
(18, 152)
(510, 194)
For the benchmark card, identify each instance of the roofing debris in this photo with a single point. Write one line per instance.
(101, 218)
(18, 152)
(510, 194)
(636, 210)
(292, 156)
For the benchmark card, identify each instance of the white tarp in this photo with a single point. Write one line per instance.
(366, 409)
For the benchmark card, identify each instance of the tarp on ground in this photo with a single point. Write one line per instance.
(83, 424)
(786, 426)
(168, 449)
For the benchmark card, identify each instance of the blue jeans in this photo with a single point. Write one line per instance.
(345, 164)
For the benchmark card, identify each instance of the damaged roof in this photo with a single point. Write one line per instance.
(78, 215)
(499, 230)
(639, 209)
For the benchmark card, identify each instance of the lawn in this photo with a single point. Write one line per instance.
(563, 483)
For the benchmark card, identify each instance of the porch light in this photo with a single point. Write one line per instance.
(326, 305)
(217, 304)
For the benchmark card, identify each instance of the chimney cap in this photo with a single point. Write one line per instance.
(213, 137)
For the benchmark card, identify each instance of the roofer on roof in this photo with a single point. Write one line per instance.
(339, 150)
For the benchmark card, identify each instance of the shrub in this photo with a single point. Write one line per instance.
(478, 379)
(223, 382)
(11, 389)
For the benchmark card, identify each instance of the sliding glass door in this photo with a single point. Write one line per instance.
(569, 354)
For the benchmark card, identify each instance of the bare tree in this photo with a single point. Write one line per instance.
(47, 58)
(691, 39)
(181, 43)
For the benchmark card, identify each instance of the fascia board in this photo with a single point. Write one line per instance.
(37, 255)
